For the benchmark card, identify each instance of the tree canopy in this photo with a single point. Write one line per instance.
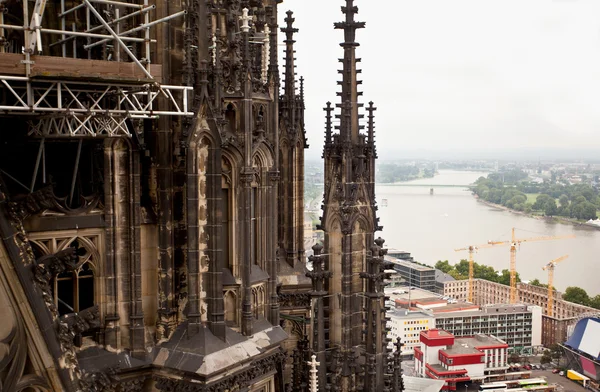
(510, 189)
(460, 271)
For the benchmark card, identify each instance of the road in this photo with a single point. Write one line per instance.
(566, 385)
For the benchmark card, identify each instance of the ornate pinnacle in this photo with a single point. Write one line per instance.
(273, 63)
(290, 75)
(371, 127)
(328, 124)
(302, 90)
(349, 25)
(289, 29)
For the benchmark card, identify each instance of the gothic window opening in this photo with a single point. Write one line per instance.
(230, 116)
(254, 217)
(74, 290)
(226, 226)
(231, 309)
(228, 215)
(258, 301)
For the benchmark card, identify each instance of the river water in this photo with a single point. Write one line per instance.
(430, 227)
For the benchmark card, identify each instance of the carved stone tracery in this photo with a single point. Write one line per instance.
(45, 202)
(294, 300)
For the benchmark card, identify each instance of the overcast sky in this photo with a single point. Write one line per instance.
(481, 76)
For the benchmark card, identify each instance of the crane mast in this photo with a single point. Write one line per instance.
(472, 249)
(550, 267)
(515, 242)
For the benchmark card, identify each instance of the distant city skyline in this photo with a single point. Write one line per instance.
(500, 79)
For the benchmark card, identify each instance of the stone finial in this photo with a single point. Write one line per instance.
(349, 25)
(245, 18)
(314, 382)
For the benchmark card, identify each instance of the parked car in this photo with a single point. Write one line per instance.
(527, 367)
(555, 371)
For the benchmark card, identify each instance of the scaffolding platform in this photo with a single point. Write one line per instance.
(69, 68)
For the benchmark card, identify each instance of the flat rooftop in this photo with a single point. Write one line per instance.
(468, 345)
(456, 310)
(481, 341)
(404, 293)
(408, 264)
(458, 349)
(408, 314)
(437, 334)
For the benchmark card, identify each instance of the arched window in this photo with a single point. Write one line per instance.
(231, 308)
(230, 116)
(227, 216)
(74, 290)
(258, 301)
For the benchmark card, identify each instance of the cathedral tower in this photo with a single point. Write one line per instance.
(350, 337)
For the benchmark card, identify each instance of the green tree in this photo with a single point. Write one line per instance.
(514, 358)
(504, 277)
(564, 200)
(550, 208)
(444, 266)
(456, 275)
(540, 202)
(595, 302)
(463, 267)
(555, 352)
(576, 295)
(546, 357)
(536, 282)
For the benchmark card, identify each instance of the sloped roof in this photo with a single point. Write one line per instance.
(418, 384)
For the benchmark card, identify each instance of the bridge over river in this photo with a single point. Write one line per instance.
(413, 184)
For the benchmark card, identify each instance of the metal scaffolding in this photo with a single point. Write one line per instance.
(73, 106)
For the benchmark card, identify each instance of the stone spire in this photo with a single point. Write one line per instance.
(354, 321)
(349, 119)
(371, 128)
(290, 68)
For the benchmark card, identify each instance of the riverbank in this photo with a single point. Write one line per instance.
(560, 219)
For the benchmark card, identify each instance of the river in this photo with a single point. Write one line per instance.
(430, 227)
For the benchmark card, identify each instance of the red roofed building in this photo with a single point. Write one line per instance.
(444, 357)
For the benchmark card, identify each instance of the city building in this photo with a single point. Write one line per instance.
(400, 254)
(414, 274)
(407, 326)
(441, 278)
(520, 326)
(442, 356)
(419, 299)
(554, 328)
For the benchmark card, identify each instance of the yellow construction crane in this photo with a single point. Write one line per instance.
(550, 267)
(513, 258)
(472, 249)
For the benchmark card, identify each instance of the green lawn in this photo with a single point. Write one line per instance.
(531, 197)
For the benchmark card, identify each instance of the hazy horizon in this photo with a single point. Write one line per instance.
(501, 79)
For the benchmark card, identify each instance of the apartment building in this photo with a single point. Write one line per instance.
(554, 328)
(414, 274)
(520, 326)
(408, 325)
